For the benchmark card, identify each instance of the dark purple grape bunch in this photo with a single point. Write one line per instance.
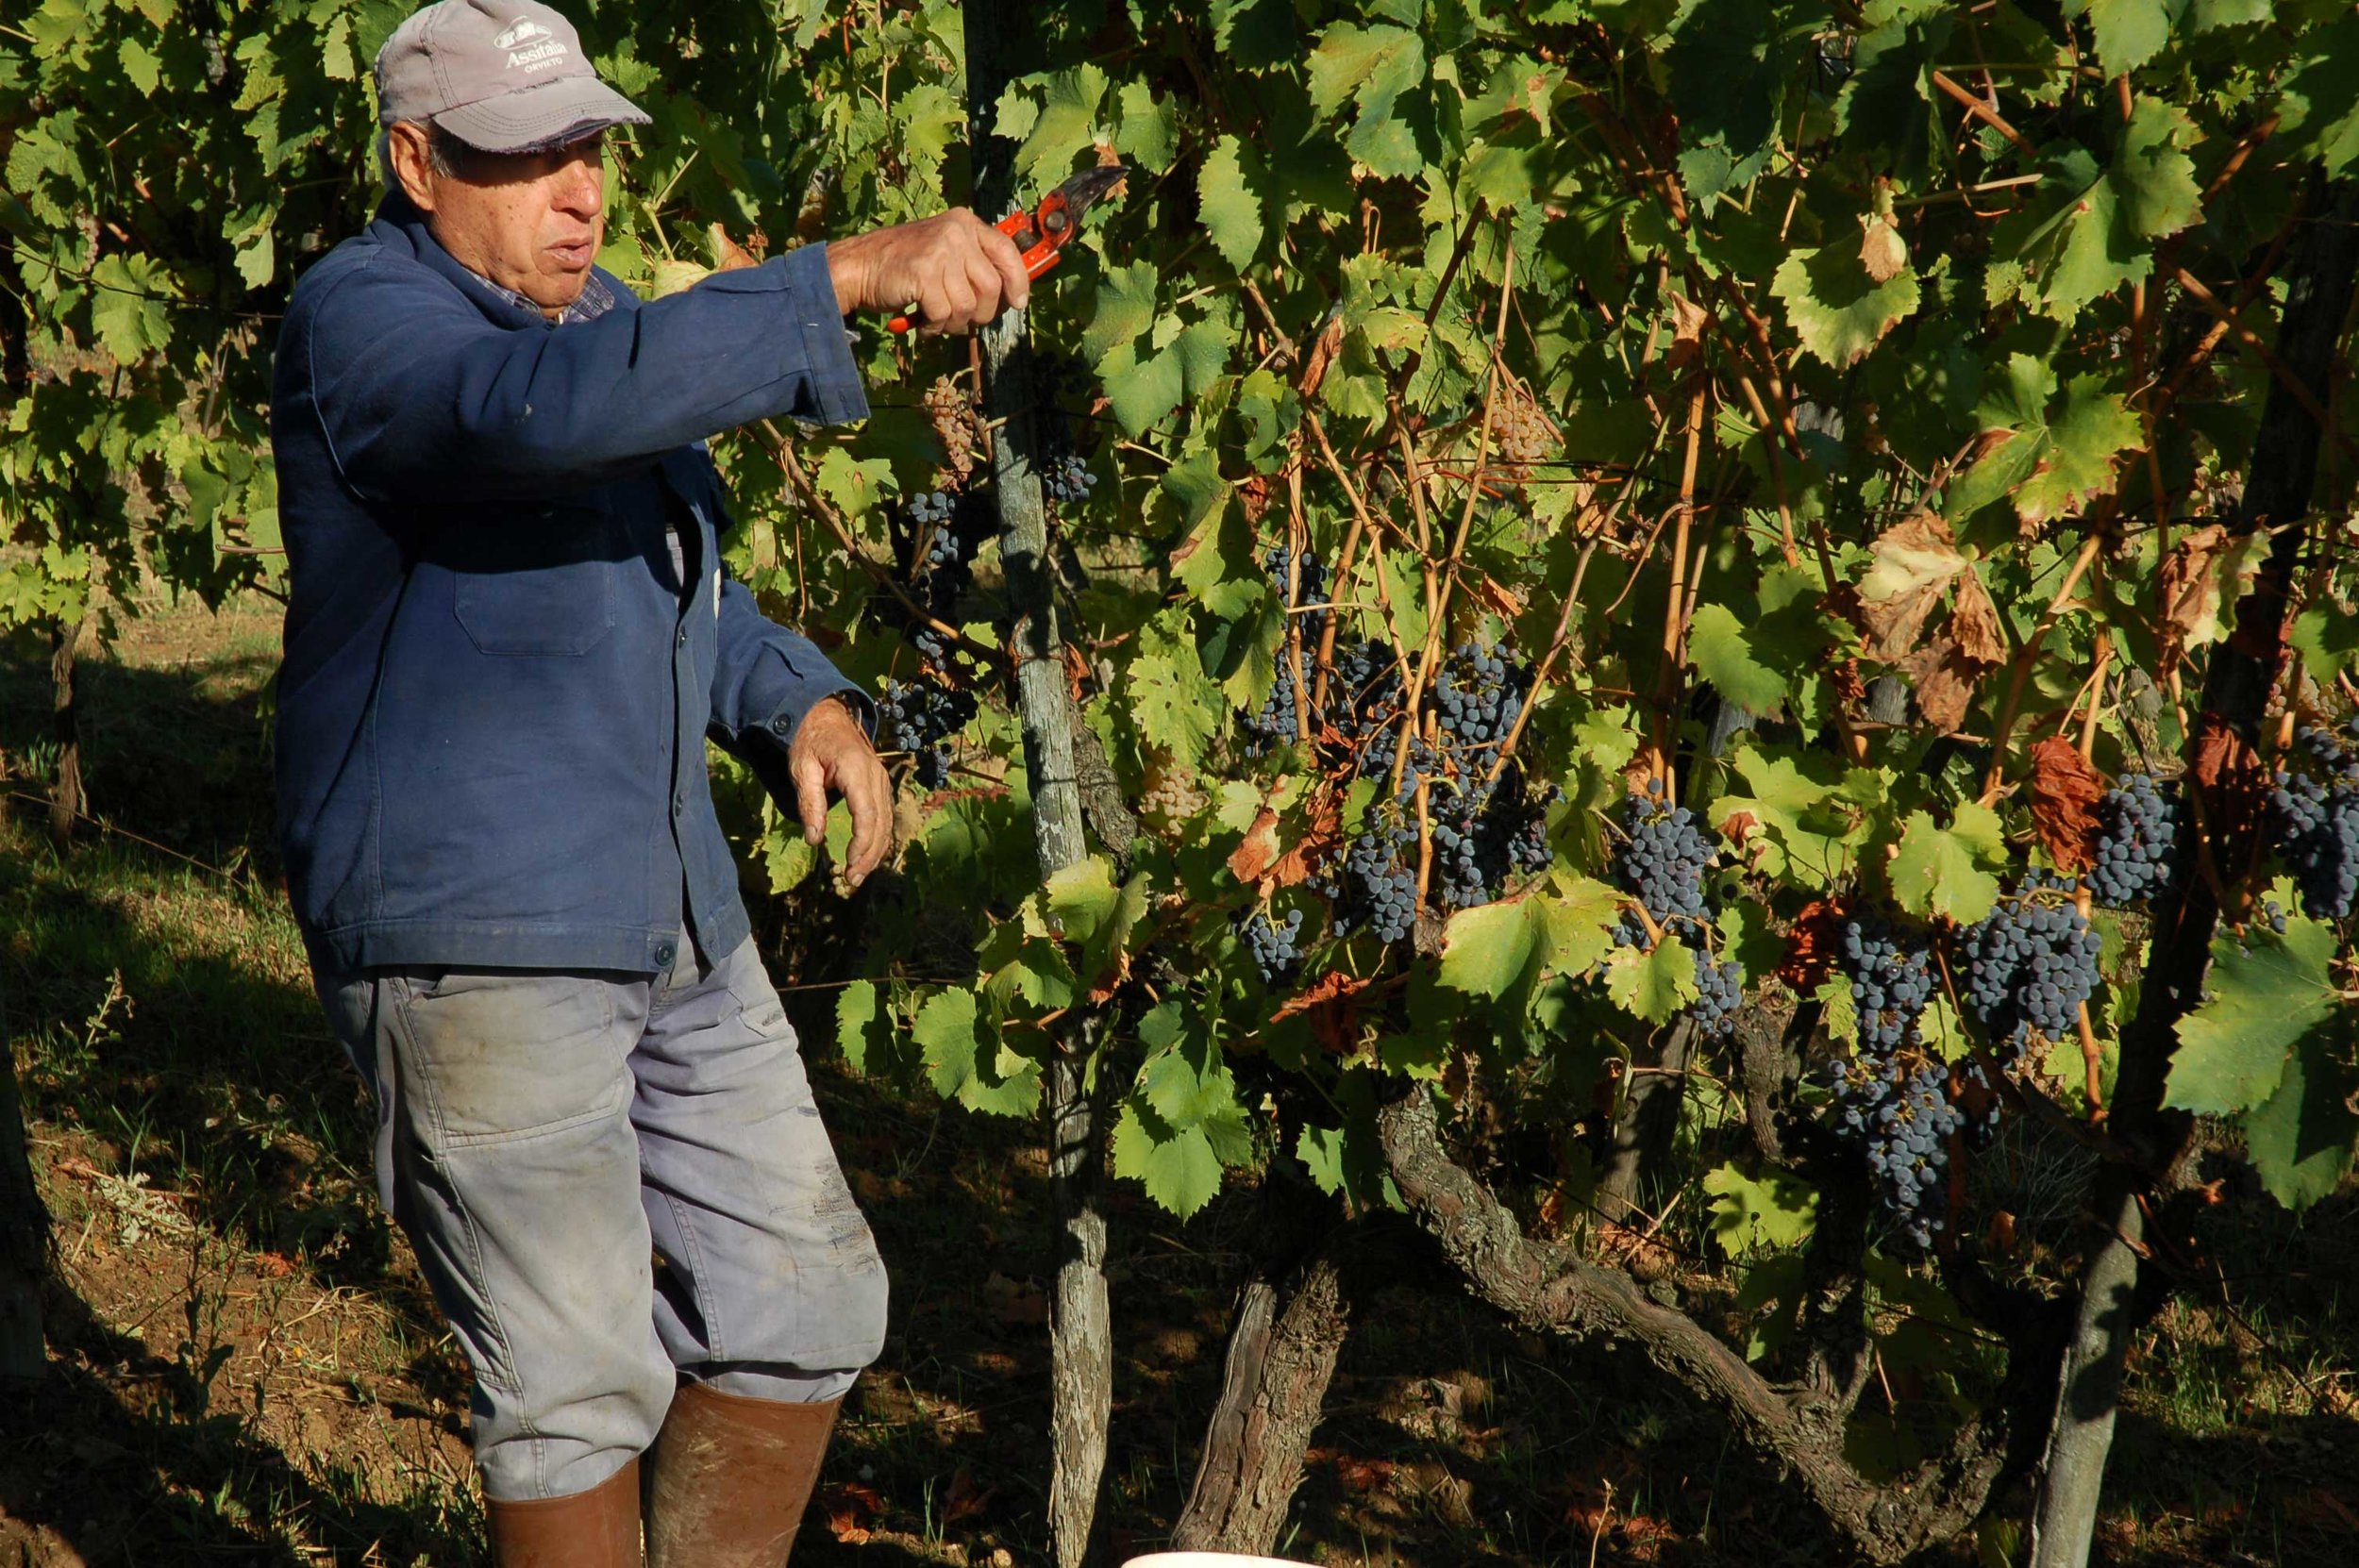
(2313, 819)
(1478, 694)
(920, 717)
(1377, 887)
(1891, 975)
(1661, 859)
(1275, 945)
(942, 531)
(1065, 474)
(2030, 965)
(2137, 841)
(1891, 1101)
(1907, 1148)
(1306, 599)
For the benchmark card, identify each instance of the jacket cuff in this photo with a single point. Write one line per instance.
(837, 391)
(780, 727)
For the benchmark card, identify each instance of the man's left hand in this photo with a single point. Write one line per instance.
(831, 752)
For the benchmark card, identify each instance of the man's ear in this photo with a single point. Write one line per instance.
(406, 148)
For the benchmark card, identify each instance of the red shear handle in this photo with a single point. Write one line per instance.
(1039, 233)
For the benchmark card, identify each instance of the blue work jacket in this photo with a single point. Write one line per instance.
(496, 687)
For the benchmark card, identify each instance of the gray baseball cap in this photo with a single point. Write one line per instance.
(504, 75)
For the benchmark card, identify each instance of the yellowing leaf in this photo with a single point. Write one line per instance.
(1838, 311)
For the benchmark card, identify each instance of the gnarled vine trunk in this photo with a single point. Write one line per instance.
(1548, 1286)
(1281, 1357)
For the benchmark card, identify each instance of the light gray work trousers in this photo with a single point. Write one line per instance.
(612, 1181)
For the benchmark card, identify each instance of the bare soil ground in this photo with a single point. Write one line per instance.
(248, 1370)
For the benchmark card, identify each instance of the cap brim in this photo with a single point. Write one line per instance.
(543, 116)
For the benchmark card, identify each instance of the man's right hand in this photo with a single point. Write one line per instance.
(955, 269)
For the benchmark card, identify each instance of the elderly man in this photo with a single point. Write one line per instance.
(509, 638)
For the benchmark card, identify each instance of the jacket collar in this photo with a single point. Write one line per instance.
(400, 225)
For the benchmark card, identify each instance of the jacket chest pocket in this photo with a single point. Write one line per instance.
(543, 586)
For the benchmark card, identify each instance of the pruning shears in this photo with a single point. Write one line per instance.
(1042, 231)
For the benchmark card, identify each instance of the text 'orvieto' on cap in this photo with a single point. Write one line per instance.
(505, 75)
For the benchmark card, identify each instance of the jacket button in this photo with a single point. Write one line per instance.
(682, 639)
(665, 953)
(781, 724)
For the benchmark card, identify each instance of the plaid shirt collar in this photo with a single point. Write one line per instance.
(596, 299)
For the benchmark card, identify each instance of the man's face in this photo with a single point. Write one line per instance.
(531, 222)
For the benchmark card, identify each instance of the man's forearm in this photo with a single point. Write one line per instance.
(422, 398)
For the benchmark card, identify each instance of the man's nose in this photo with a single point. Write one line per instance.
(580, 189)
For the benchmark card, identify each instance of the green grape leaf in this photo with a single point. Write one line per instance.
(1492, 950)
(2155, 177)
(1142, 391)
(2086, 232)
(1123, 307)
(1186, 1084)
(2204, 15)
(1148, 132)
(1178, 1166)
(1722, 649)
(1174, 702)
(1066, 125)
(1951, 871)
(2322, 96)
(1227, 205)
(2267, 993)
(1652, 986)
(856, 484)
(1373, 64)
(2300, 1139)
(1321, 1151)
(2328, 640)
(945, 1036)
(860, 1024)
(130, 308)
(1796, 825)
(145, 70)
(2074, 460)
(2129, 32)
(965, 1064)
(1773, 1214)
(1838, 311)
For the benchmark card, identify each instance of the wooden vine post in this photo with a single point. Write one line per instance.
(1080, 1327)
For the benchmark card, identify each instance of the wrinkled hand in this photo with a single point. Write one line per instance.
(957, 269)
(831, 752)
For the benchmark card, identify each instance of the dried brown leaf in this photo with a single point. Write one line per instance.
(1913, 561)
(1252, 857)
(1881, 250)
(1328, 1003)
(1945, 679)
(1974, 622)
(2065, 793)
(2204, 573)
(1322, 839)
(1688, 320)
(1811, 947)
(728, 255)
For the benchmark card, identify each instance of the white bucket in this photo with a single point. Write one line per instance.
(1213, 1559)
